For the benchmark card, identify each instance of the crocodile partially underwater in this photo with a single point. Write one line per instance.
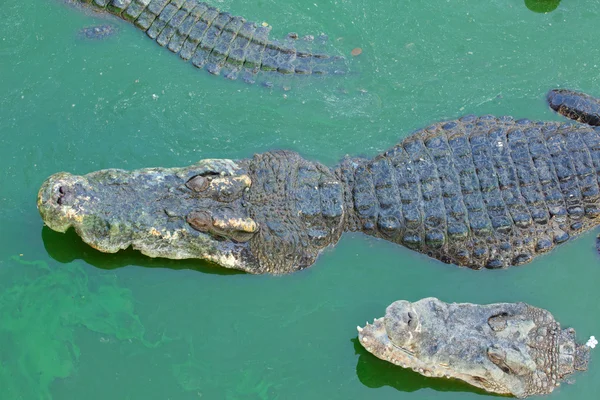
(505, 348)
(219, 42)
(97, 32)
(475, 192)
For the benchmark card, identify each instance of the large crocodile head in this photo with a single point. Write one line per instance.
(272, 213)
(503, 348)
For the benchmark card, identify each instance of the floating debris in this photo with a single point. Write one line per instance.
(356, 51)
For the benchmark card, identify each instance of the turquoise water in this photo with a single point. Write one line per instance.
(75, 323)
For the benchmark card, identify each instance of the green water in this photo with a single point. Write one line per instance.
(78, 324)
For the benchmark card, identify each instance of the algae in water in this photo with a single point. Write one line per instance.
(41, 307)
(195, 375)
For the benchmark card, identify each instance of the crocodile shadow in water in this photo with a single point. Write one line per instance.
(375, 373)
(67, 247)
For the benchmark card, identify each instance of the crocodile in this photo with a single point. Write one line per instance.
(476, 192)
(504, 348)
(220, 42)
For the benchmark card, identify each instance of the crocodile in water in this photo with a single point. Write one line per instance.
(97, 32)
(476, 192)
(220, 42)
(505, 348)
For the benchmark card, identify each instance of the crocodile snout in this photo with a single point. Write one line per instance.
(56, 199)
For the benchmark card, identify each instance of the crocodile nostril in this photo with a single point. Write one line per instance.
(64, 197)
(410, 319)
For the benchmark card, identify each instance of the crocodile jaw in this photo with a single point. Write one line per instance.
(374, 338)
(110, 211)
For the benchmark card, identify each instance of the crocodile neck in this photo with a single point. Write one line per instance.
(346, 173)
(381, 199)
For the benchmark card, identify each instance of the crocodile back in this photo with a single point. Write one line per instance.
(480, 191)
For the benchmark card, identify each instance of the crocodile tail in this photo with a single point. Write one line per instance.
(217, 41)
(575, 105)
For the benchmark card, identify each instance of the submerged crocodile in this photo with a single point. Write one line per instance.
(97, 32)
(476, 192)
(505, 348)
(219, 42)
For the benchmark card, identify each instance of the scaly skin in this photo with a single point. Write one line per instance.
(218, 41)
(476, 192)
(257, 215)
(504, 348)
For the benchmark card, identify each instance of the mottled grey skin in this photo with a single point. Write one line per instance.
(219, 42)
(476, 192)
(504, 348)
(257, 215)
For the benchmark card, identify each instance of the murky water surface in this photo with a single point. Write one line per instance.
(77, 324)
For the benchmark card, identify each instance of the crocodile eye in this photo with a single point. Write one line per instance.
(198, 183)
(200, 220)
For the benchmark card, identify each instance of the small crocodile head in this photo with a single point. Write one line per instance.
(503, 348)
(242, 215)
(577, 106)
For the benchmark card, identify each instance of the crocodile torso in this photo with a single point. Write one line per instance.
(476, 192)
(505, 348)
(480, 191)
(220, 42)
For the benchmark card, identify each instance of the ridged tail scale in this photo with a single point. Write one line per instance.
(480, 191)
(216, 40)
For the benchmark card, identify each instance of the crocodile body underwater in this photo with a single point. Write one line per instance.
(504, 348)
(475, 192)
(219, 42)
